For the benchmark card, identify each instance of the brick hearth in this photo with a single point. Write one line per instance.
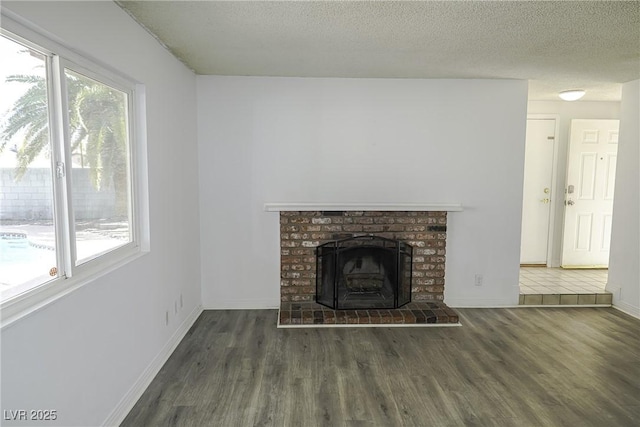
(311, 313)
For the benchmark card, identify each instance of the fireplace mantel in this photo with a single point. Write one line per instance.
(426, 207)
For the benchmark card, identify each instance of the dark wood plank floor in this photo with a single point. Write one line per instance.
(503, 367)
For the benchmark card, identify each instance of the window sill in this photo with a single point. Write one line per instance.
(31, 301)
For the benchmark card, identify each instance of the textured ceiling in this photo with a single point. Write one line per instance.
(556, 45)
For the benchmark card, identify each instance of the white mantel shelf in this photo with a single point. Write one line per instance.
(424, 207)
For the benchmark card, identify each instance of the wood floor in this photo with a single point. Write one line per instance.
(503, 367)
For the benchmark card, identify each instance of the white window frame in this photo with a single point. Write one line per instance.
(72, 276)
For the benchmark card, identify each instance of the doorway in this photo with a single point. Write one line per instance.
(584, 211)
(584, 224)
(537, 201)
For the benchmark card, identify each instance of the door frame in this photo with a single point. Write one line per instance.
(554, 184)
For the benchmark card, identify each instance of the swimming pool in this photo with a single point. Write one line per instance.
(21, 260)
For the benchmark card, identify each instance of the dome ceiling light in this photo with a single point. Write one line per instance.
(572, 95)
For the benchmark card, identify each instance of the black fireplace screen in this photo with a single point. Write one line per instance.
(364, 272)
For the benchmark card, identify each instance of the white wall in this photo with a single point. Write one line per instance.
(359, 140)
(81, 354)
(564, 112)
(624, 264)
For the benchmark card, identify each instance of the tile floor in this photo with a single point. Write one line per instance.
(557, 286)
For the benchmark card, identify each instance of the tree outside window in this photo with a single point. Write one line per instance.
(38, 186)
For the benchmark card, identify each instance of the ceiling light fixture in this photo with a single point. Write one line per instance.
(572, 95)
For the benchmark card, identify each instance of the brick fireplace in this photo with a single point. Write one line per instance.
(301, 232)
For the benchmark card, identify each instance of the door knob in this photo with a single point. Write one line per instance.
(571, 202)
(545, 200)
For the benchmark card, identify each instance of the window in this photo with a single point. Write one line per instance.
(67, 205)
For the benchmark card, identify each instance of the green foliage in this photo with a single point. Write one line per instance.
(97, 128)
(101, 112)
(31, 114)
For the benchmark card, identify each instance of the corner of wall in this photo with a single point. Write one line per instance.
(122, 409)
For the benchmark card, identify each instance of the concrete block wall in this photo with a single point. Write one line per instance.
(31, 197)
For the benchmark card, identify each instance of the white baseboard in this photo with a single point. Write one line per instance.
(251, 304)
(480, 303)
(628, 309)
(125, 405)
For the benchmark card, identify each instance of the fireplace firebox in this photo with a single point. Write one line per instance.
(364, 272)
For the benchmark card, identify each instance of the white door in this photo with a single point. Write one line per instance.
(591, 171)
(536, 201)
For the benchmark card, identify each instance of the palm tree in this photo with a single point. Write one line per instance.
(99, 113)
(97, 129)
(31, 114)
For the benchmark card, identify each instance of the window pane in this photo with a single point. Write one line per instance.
(100, 170)
(27, 233)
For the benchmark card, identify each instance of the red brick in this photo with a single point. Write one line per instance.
(363, 317)
(427, 220)
(329, 317)
(374, 317)
(383, 220)
(285, 317)
(364, 220)
(301, 282)
(331, 228)
(409, 317)
(302, 232)
(385, 316)
(307, 317)
(341, 317)
(302, 251)
(397, 316)
(405, 220)
(351, 315)
(300, 220)
(321, 220)
(321, 236)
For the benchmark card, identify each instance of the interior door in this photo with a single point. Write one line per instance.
(591, 171)
(536, 201)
